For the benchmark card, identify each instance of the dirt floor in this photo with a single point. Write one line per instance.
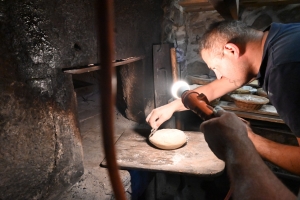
(95, 184)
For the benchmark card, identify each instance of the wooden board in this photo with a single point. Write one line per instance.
(134, 151)
(260, 3)
(259, 117)
(266, 113)
(162, 71)
(94, 67)
(265, 109)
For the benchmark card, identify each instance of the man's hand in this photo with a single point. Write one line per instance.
(227, 137)
(159, 115)
(225, 134)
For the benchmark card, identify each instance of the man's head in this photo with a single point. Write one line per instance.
(222, 48)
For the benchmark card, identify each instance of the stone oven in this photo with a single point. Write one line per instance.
(50, 136)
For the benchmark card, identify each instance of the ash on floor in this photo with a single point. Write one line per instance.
(95, 183)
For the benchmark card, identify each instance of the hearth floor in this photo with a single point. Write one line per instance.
(94, 183)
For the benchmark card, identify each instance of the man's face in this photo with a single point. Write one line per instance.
(226, 66)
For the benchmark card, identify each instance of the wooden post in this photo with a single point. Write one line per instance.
(178, 123)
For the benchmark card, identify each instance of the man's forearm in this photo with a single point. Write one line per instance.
(284, 156)
(252, 179)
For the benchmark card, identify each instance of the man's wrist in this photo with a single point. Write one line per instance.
(242, 152)
(177, 105)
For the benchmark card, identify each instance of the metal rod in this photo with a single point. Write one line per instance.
(105, 24)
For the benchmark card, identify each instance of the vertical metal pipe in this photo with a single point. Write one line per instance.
(105, 25)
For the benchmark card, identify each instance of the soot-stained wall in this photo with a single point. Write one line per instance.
(40, 143)
(137, 28)
(138, 25)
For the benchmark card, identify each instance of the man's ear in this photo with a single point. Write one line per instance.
(231, 49)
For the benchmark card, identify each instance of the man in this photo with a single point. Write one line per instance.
(239, 54)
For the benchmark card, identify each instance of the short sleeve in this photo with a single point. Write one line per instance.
(284, 94)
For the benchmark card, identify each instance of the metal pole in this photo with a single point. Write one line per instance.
(105, 24)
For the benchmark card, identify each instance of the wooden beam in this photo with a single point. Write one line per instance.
(196, 5)
(186, 3)
(228, 9)
(233, 6)
(199, 8)
(189, 3)
(260, 3)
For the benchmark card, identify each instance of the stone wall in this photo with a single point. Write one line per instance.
(188, 34)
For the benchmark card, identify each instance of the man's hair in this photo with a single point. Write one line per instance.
(222, 32)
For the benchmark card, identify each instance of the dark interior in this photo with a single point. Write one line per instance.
(51, 142)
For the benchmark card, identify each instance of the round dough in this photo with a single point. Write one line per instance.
(168, 138)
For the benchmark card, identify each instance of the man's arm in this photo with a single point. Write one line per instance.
(212, 91)
(284, 156)
(250, 177)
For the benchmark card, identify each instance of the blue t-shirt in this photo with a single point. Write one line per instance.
(279, 73)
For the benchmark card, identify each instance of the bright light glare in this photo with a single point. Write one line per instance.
(179, 85)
